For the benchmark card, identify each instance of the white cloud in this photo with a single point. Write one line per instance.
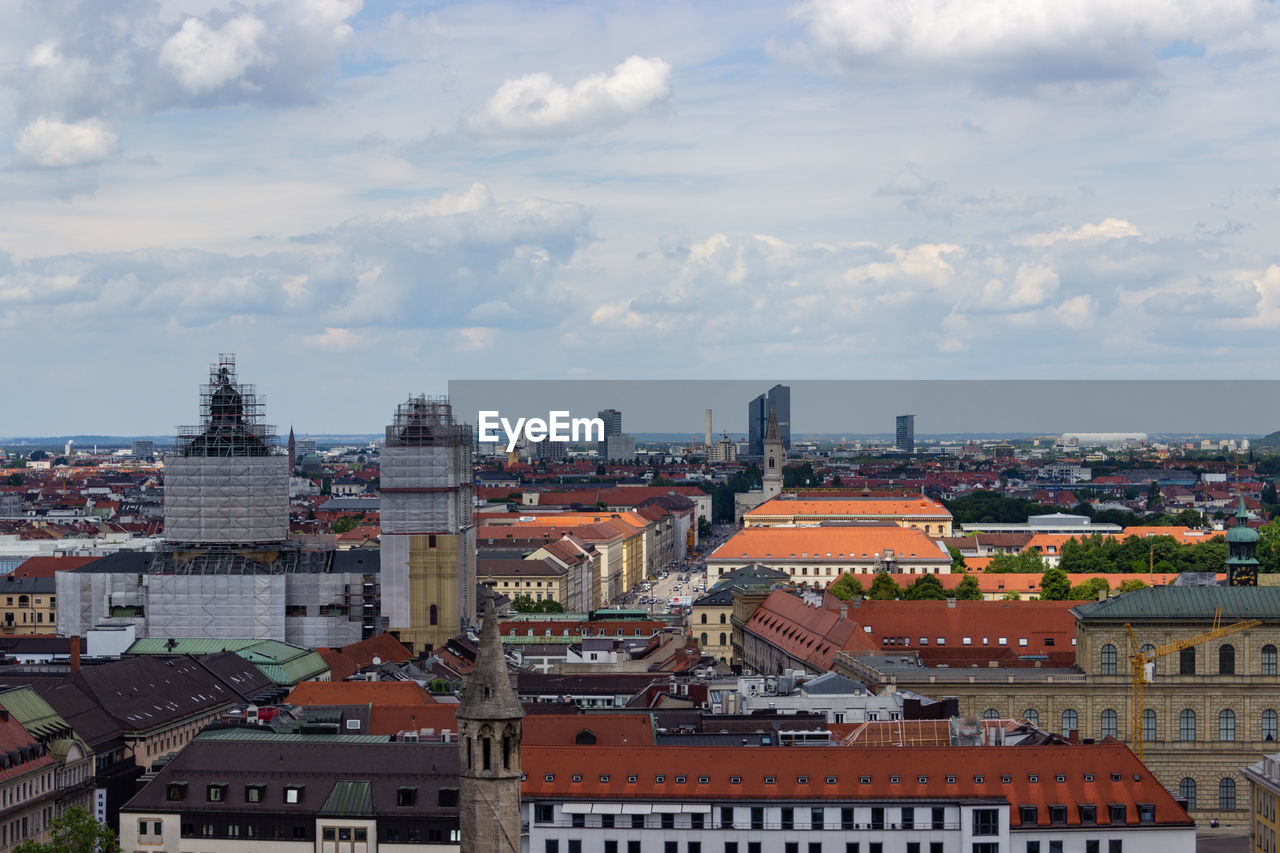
(1107, 229)
(1052, 41)
(50, 143)
(204, 58)
(536, 103)
(334, 340)
(1032, 286)
(1078, 312)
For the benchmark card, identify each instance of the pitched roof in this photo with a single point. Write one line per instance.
(982, 623)
(879, 506)
(398, 693)
(828, 543)
(1102, 774)
(806, 633)
(604, 729)
(1187, 604)
(44, 567)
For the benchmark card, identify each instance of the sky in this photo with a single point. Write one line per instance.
(364, 200)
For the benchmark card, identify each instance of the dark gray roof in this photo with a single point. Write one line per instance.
(507, 568)
(753, 574)
(350, 504)
(358, 561)
(1186, 604)
(26, 586)
(721, 596)
(833, 683)
(342, 775)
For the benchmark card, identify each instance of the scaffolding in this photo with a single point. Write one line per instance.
(424, 421)
(231, 418)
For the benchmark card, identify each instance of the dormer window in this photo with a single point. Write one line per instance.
(293, 794)
(176, 792)
(216, 793)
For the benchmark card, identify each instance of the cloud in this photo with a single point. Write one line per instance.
(51, 144)
(535, 103)
(1107, 229)
(1014, 44)
(204, 58)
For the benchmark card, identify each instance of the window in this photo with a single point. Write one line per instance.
(986, 822)
(1033, 847)
(939, 817)
(176, 791)
(1108, 659)
(1057, 815)
(1118, 812)
(1187, 662)
(877, 817)
(544, 813)
(1110, 723)
(406, 796)
(216, 793)
(1268, 659)
(788, 819)
(253, 793)
(293, 794)
(1226, 659)
(1227, 794)
(935, 847)
(1226, 724)
(1032, 716)
(771, 780)
(577, 821)
(1148, 725)
(913, 847)
(908, 818)
(1055, 846)
(1091, 845)
(726, 817)
(1269, 724)
(606, 821)
(637, 821)
(1088, 813)
(696, 821)
(817, 818)
(1187, 791)
(757, 817)
(1187, 725)
(633, 846)
(991, 714)
(1070, 721)
(1146, 813)
(1115, 845)
(986, 847)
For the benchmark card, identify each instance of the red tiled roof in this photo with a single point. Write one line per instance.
(984, 623)
(389, 693)
(828, 543)
(44, 567)
(921, 773)
(880, 506)
(809, 634)
(608, 729)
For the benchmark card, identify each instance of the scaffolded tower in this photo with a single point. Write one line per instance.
(227, 483)
(428, 537)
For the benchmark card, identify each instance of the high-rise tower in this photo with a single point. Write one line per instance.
(775, 456)
(428, 538)
(226, 481)
(778, 401)
(489, 732)
(905, 433)
(612, 426)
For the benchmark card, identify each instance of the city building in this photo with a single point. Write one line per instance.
(722, 451)
(758, 799)
(710, 620)
(612, 419)
(427, 535)
(143, 449)
(539, 579)
(778, 400)
(924, 514)
(816, 556)
(1264, 801)
(619, 448)
(905, 434)
(235, 789)
(29, 605)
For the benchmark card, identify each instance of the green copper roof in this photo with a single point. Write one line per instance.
(36, 715)
(1186, 604)
(283, 663)
(246, 734)
(349, 799)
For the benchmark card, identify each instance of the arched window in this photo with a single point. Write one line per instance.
(1226, 659)
(1148, 725)
(486, 753)
(1108, 659)
(1187, 791)
(1226, 724)
(469, 753)
(435, 614)
(1032, 716)
(704, 639)
(723, 620)
(506, 752)
(704, 618)
(724, 641)
(1268, 659)
(1187, 724)
(991, 714)
(1269, 725)
(1070, 721)
(1155, 664)
(1110, 723)
(1227, 794)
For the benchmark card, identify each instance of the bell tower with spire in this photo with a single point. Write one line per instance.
(1242, 548)
(489, 730)
(774, 458)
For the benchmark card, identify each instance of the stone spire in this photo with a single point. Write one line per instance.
(772, 432)
(488, 694)
(774, 458)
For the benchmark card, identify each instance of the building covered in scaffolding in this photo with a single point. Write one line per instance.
(428, 536)
(227, 480)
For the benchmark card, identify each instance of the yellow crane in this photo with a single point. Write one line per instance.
(1142, 665)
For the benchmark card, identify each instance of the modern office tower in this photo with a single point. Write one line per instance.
(226, 481)
(906, 434)
(428, 538)
(778, 400)
(612, 426)
(620, 447)
(143, 449)
(706, 441)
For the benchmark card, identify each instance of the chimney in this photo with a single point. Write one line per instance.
(75, 653)
(1102, 595)
(844, 612)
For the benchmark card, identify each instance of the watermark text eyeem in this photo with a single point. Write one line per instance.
(558, 427)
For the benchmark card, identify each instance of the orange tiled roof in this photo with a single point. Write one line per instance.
(872, 507)
(823, 543)
(387, 693)
(608, 729)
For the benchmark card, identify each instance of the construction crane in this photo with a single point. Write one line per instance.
(1142, 665)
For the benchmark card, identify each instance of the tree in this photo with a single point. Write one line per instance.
(884, 588)
(1010, 596)
(38, 455)
(74, 831)
(927, 588)
(968, 589)
(1054, 585)
(1130, 585)
(523, 604)
(704, 527)
(548, 605)
(347, 523)
(957, 561)
(1189, 518)
(14, 480)
(835, 481)
(1029, 562)
(1153, 495)
(1088, 590)
(847, 587)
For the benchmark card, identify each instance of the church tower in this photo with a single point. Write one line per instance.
(1242, 547)
(774, 458)
(489, 729)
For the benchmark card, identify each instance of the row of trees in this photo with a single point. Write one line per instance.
(525, 604)
(1054, 586)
